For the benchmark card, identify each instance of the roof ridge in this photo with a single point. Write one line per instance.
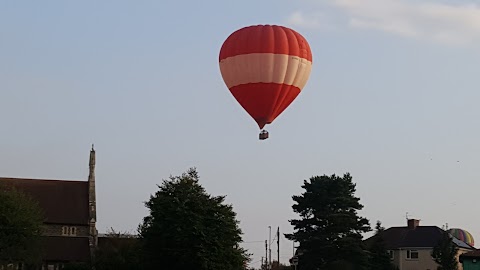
(406, 227)
(40, 179)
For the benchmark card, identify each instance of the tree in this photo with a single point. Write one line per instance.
(445, 252)
(118, 251)
(329, 231)
(190, 229)
(20, 228)
(379, 257)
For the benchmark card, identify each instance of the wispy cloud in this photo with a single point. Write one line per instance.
(315, 20)
(300, 19)
(449, 23)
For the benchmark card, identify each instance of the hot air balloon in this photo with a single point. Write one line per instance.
(462, 235)
(265, 67)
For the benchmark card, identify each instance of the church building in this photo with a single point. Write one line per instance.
(69, 227)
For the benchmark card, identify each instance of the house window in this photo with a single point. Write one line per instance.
(412, 254)
(391, 254)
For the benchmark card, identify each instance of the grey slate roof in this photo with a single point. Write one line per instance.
(420, 237)
(461, 244)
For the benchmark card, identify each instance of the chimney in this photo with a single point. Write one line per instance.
(413, 223)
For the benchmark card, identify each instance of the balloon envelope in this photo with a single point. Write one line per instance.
(462, 235)
(265, 67)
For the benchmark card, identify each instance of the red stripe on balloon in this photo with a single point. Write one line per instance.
(264, 101)
(266, 39)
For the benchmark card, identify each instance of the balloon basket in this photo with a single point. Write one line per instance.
(263, 135)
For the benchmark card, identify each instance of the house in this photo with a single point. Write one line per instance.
(471, 260)
(69, 228)
(410, 247)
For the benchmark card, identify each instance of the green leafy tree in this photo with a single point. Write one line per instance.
(20, 228)
(379, 257)
(190, 229)
(329, 229)
(118, 251)
(444, 253)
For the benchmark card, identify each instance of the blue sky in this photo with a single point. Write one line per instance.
(392, 99)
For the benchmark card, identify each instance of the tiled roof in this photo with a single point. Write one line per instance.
(420, 237)
(471, 254)
(59, 248)
(63, 202)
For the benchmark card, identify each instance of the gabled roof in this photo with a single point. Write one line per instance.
(63, 202)
(419, 237)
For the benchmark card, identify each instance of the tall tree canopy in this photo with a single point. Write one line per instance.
(190, 229)
(444, 253)
(20, 227)
(329, 229)
(379, 257)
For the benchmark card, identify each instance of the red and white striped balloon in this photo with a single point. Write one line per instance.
(265, 67)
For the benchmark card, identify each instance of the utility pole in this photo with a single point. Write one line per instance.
(266, 255)
(278, 246)
(270, 247)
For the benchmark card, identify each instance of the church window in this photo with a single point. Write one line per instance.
(68, 230)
